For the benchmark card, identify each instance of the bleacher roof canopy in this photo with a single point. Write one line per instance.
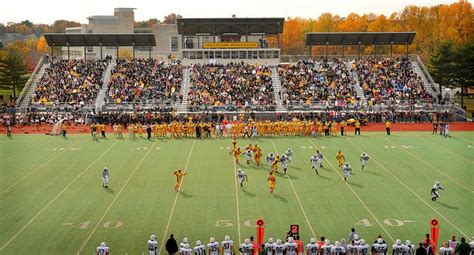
(363, 38)
(239, 26)
(75, 40)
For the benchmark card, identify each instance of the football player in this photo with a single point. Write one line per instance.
(352, 248)
(398, 248)
(270, 247)
(279, 248)
(320, 158)
(213, 246)
(364, 158)
(199, 249)
(103, 249)
(312, 248)
(152, 245)
(105, 178)
(248, 155)
(347, 171)
(435, 191)
(338, 249)
(185, 250)
(362, 248)
(289, 154)
(271, 182)
(284, 162)
(290, 246)
(446, 250)
(270, 158)
(242, 177)
(409, 248)
(228, 246)
(379, 247)
(340, 158)
(246, 248)
(314, 160)
(179, 178)
(326, 248)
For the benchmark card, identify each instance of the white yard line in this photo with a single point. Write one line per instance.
(56, 197)
(176, 199)
(409, 189)
(297, 198)
(464, 139)
(439, 146)
(115, 198)
(357, 196)
(436, 169)
(237, 201)
(35, 169)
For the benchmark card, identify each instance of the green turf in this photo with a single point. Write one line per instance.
(52, 202)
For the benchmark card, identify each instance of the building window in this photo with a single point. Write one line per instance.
(90, 49)
(174, 44)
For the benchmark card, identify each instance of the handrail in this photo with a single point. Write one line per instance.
(427, 74)
(30, 81)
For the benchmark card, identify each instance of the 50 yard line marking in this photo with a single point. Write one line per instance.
(237, 201)
(437, 170)
(57, 196)
(297, 197)
(35, 169)
(409, 189)
(357, 196)
(176, 199)
(115, 198)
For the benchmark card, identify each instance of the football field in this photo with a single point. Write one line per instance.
(52, 200)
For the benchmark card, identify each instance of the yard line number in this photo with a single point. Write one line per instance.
(388, 222)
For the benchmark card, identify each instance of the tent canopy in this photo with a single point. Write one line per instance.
(75, 40)
(238, 26)
(362, 38)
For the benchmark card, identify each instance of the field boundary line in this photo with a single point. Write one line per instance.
(36, 169)
(409, 189)
(355, 194)
(428, 164)
(115, 198)
(176, 198)
(455, 153)
(297, 197)
(22, 150)
(57, 196)
(237, 201)
(464, 139)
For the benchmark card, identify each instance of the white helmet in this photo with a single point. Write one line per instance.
(246, 241)
(312, 240)
(290, 239)
(356, 237)
(398, 242)
(212, 239)
(289, 149)
(153, 237)
(227, 238)
(105, 168)
(380, 240)
(362, 241)
(327, 241)
(278, 241)
(103, 244)
(270, 240)
(198, 242)
(185, 240)
(437, 183)
(408, 242)
(337, 243)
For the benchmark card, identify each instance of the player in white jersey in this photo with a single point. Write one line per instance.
(284, 162)
(213, 246)
(279, 248)
(227, 246)
(362, 248)
(314, 163)
(289, 154)
(398, 248)
(270, 247)
(446, 250)
(347, 171)
(105, 178)
(291, 247)
(326, 249)
(409, 248)
(312, 248)
(471, 245)
(103, 249)
(364, 158)
(185, 241)
(199, 249)
(242, 177)
(152, 245)
(352, 248)
(270, 159)
(320, 158)
(338, 249)
(380, 247)
(246, 248)
(435, 191)
(248, 154)
(185, 250)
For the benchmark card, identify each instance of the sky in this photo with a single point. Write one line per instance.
(47, 11)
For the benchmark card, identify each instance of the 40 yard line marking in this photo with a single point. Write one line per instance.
(237, 200)
(297, 197)
(409, 189)
(439, 146)
(428, 164)
(35, 169)
(56, 197)
(115, 198)
(357, 196)
(176, 199)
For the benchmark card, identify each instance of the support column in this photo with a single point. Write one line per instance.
(391, 50)
(68, 53)
(359, 51)
(407, 49)
(133, 51)
(311, 51)
(101, 58)
(117, 57)
(149, 52)
(52, 51)
(327, 50)
(85, 53)
(343, 52)
(375, 50)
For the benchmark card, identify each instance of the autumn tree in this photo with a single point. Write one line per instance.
(171, 18)
(42, 45)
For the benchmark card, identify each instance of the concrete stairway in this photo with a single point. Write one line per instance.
(183, 107)
(100, 100)
(419, 72)
(357, 87)
(31, 90)
(277, 87)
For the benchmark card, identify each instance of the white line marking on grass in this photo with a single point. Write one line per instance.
(56, 197)
(357, 196)
(237, 200)
(409, 189)
(297, 197)
(439, 146)
(115, 199)
(176, 199)
(428, 164)
(34, 170)
(464, 139)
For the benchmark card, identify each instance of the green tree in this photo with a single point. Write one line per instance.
(442, 64)
(13, 71)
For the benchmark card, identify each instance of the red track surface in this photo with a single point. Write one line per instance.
(375, 127)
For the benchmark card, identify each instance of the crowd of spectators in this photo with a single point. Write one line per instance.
(144, 81)
(315, 82)
(390, 80)
(236, 84)
(69, 82)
